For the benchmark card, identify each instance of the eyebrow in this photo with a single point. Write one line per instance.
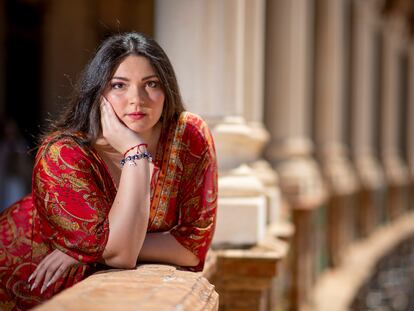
(143, 79)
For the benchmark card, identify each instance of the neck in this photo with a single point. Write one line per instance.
(152, 137)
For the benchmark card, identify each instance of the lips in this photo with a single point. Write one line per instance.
(136, 115)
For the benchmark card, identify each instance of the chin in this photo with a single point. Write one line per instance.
(139, 130)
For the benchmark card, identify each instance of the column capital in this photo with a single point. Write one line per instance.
(301, 182)
(289, 147)
(238, 141)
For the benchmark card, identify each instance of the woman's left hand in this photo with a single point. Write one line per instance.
(50, 269)
(116, 133)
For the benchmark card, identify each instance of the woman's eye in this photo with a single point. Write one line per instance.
(117, 85)
(152, 84)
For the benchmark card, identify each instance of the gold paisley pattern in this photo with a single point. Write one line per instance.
(184, 200)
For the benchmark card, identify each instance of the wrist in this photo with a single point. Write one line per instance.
(136, 149)
(138, 152)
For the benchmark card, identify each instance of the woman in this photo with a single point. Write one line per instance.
(86, 207)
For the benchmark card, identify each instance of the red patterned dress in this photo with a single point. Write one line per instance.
(71, 196)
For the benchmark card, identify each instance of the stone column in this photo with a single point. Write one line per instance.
(287, 116)
(216, 48)
(363, 113)
(67, 48)
(330, 117)
(396, 170)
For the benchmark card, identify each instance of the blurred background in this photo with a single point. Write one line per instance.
(311, 104)
(44, 46)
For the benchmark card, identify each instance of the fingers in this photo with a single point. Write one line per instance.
(50, 269)
(104, 114)
(109, 119)
(114, 130)
(47, 264)
(53, 274)
(58, 273)
(107, 109)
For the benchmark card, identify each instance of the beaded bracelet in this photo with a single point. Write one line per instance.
(137, 156)
(133, 147)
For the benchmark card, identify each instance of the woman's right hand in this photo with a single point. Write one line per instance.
(117, 134)
(50, 269)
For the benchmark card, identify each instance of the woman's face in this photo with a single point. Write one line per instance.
(135, 94)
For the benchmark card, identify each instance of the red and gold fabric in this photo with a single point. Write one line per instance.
(72, 194)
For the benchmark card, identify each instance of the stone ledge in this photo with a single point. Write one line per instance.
(148, 287)
(336, 288)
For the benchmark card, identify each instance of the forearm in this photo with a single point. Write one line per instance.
(163, 247)
(128, 217)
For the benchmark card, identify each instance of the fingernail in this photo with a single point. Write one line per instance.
(43, 289)
(30, 277)
(48, 283)
(33, 286)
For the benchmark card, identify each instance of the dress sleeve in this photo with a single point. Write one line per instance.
(73, 208)
(198, 203)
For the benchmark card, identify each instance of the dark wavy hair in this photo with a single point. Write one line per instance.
(83, 112)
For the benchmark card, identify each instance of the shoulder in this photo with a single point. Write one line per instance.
(196, 130)
(64, 148)
(192, 119)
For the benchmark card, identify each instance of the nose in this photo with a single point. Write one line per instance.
(137, 96)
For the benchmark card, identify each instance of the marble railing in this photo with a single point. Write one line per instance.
(149, 287)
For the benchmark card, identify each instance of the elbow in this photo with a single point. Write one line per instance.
(122, 261)
(192, 261)
(125, 264)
